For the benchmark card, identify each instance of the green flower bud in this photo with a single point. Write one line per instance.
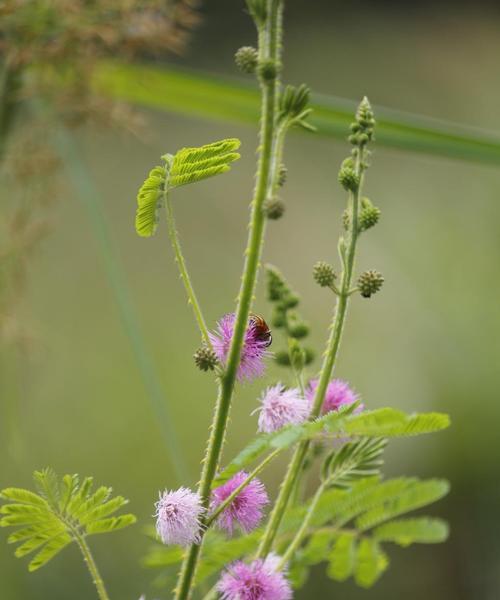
(205, 358)
(296, 327)
(267, 70)
(369, 283)
(346, 219)
(282, 358)
(309, 354)
(348, 177)
(246, 59)
(368, 217)
(283, 172)
(290, 300)
(297, 355)
(323, 274)
(274, 208)
(278, 318)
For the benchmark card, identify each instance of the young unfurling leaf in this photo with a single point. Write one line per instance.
(188, 165)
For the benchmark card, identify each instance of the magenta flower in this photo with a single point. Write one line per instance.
(254, 349)
(280, 407)
(178, 517)
(338, 393)
(260, 580)
(246, 508)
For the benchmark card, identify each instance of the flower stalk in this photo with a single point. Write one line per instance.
(268, 49)
(333, 344)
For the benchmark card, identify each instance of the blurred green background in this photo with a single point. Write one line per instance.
(75, 399)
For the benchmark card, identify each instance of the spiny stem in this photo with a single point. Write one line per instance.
(181, 263)
(268, 48)
(295, 466)
(260, 467)
(90, 562)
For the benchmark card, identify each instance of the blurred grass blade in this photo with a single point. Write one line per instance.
(214, 97)
(90, 198)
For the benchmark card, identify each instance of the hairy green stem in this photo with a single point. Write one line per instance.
(297, 461)
(92, 567)
(268, 48)
(181, 263)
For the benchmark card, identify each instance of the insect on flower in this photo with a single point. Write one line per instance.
(262, 331)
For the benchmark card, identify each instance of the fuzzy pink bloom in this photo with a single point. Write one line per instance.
(338, 393)
(280, 407)
(259, 580)
(254, 347)
(178, 517)
(246, 508)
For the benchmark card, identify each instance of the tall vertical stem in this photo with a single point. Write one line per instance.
(269, 45)
(330, 356)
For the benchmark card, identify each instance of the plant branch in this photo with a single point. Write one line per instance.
(181, 263)
(337, 326)
(91, 564)
(268, 45)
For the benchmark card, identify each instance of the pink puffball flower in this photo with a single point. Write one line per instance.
(178, 517)
(338, 394)
(280, 407)
(245, 509)
(259, 580)
(254, 348)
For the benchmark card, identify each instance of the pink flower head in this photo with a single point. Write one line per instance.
(280, 407)
(246, 508)
(338, 393)
(254, 348)
(259, 580)
(178, 517)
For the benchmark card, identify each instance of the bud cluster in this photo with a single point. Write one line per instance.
(286, 317)
(362, 127)
(246, 59)
(205, 358)
(369, 283)
(348, 178)
(369, 216)
(323, 274)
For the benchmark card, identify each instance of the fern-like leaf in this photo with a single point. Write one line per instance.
(188, 165)
(60, 513)
(420, 530)
(388, 422)
(354, 460)
(371, 562)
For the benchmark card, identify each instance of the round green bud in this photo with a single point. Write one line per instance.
(278, 318)
(274, 208)
(290, 300)
(310, 355)
(348, 177)
(297, 354)
(369, 283)
(282, 358)
(323, 274)
(346, 219)
(283, 172)
(205, 358)
(246, 59)
(368, 217)
(298, 329)
(267, 70)
(363, 139)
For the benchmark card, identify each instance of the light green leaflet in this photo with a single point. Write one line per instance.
(188, 165)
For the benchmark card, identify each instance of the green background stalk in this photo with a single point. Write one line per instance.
(268, 45)
(90, 562)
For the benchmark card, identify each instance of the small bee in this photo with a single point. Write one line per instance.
(262, 329)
